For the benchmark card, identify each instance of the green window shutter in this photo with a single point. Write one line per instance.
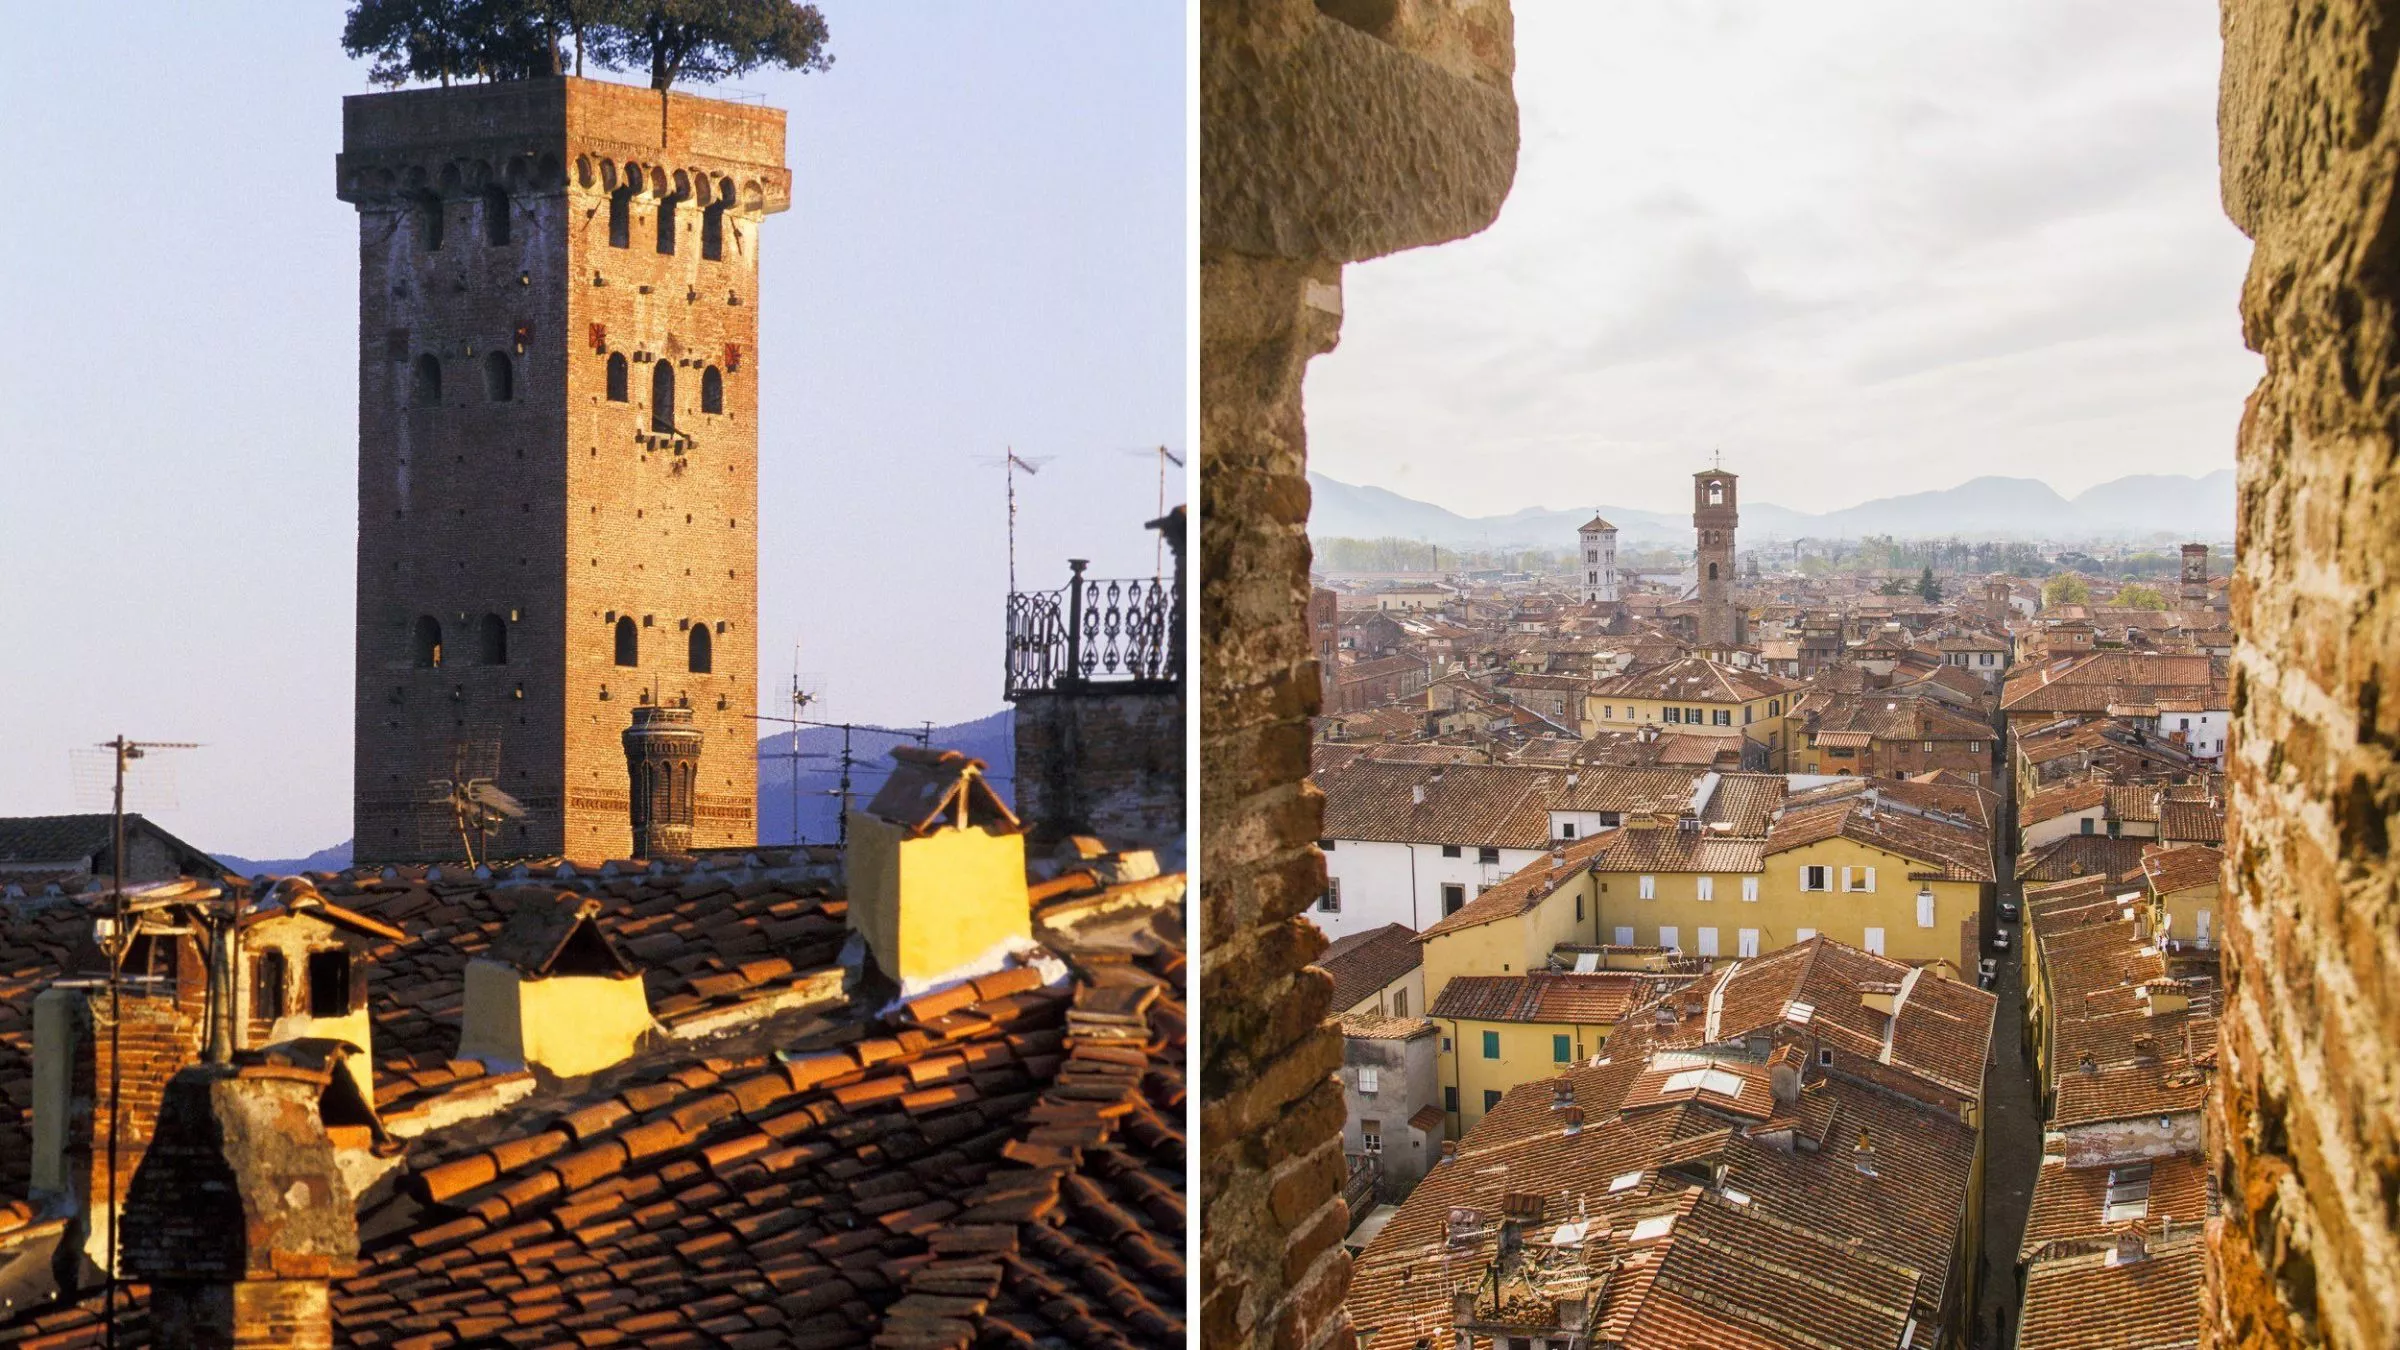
(1562, 1048)
(1491, 1045)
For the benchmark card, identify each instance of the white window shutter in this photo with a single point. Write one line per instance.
(1624, 937)
(1868, 883)
(1804, 934)
(1748, 939)
(1669, 935)
(1749, 888)
(1706, 887)
(1924, 909)
(1875, 941)
(1708, 942)
(1845, 876)
(1368, 1078)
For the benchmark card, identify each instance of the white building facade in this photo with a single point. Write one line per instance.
(1373, 882)
(1599, 554)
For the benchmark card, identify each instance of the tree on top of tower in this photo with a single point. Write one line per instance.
(697, 40)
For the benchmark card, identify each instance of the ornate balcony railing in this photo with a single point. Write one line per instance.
(1095, 632)
(1360, 1190)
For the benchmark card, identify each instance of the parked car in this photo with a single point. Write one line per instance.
(2008, 910)
(1999, 939)
(1986, 970)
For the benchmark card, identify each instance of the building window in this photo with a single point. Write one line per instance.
(712, 391)
(495, 215)
(425, 644)
(499, 378)
(429, 223)
(1399, 1003)
(1454, 895)
(1566, 829)
(616, 377)
(1491, 1045)
(1746, 942)
(629, 642)
(1705, 888)
(492, 640)
(699, 659)
(1803, 934)
(1331, 901)
(662, 395)
(1750, 888)
(426, 391)
(620, 217)
(2087, 825)
(1622, 936)
(1487, 855)
(666, 223)
(1450, 1100)
(1874, 942)
(1925, 909)
(329, 982)
(1369, 1080)
(1722, 717)
(1648, 887)
(1774, 707)
(1816, 878)
(269, 977)
(1670, 936)
(1450, 850)
(1370, 1132)
(1708, 942)
(1562, 1048)
(1824, 1059)
(1674, 715)
(1974, 747)
(712, 232)
(1491, 1101)
(1579, 909)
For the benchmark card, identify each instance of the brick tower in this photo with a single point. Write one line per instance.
(2195, 576)
(557, 451)
(1714, 517)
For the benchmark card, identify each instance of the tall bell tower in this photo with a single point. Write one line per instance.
(1714, 518)
(557, 451)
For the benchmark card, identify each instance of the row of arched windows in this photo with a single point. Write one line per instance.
(620, 224)
(662, 389)
(699, 646)
(431, 221)
(499, 380)
(491, 641)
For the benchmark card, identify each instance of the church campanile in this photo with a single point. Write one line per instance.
(1714, 518)
(557, 451)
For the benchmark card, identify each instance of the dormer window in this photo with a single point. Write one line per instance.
(329, 982)
(270, 977)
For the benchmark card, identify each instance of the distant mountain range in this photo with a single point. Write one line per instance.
(991, 739)
(2135, 507)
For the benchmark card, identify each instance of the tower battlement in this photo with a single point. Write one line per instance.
(558, 451)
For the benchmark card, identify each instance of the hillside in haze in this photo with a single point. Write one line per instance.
(991, 739)
(1981, 508)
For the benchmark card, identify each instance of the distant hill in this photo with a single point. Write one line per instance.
(1981, 508)
(991, 739)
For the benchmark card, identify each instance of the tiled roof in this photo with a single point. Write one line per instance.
(2181, 868)
(1363, 963)
(1675, 848)
(2200, 822)
(1370, 1027)
(1550, 996)
(1464, 804)
(2127, 1092)
(2072, 1203)
(2064, 799)
(2081, 855)
(1945, 850)
(1625, 790)
(2086, 1301)
(1697, 679)
(1526, 888)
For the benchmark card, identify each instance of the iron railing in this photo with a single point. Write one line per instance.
(1361, 1189)
(1094, 632)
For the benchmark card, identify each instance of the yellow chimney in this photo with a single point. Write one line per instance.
(936, 872)
(554, 991)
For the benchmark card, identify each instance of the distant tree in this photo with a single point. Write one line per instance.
(1894, 586)
(709, 40)
(1927, 587)
(2065, 590)
(2141, 597)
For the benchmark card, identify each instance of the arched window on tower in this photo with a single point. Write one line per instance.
(1712, 571)
(1716, 494)
(712, 232)
(493, 639)
(712, 391)
(429, 223)
(629, 642)
(662, 395)
(495, 214)
(666, 223)
(427, 389)
(702, 653)
(620, 217)
(616, 377)
(499, 377)
(426, 644)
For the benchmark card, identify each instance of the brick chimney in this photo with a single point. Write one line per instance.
(662, 762)
(239, 1218)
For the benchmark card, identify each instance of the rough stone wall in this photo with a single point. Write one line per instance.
(2308, 1125)
(1327, 136)
(1107, 763)
(559, 508)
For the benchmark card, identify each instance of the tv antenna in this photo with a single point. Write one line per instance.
(808, 690)
(1158, 559)
(474, 800)
(922, 735)
(115, 943)
(1010, 462)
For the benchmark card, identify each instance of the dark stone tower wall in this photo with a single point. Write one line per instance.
(662, 764)
(1715, 515)
(532, 524)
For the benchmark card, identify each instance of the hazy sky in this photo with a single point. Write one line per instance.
(1865, 248)
(986, 247)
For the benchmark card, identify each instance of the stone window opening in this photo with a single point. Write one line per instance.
(620, 217)
(666, 223)
(702, 660)
(429, 223)
(495, 215)
(493, 632)
(616, 377)
(629, 642)
(426, 645)
(499, 378)
(270, 979)
(662, 395)
(426, 392)
(712, 232)
(712, 391)
(329, 982)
